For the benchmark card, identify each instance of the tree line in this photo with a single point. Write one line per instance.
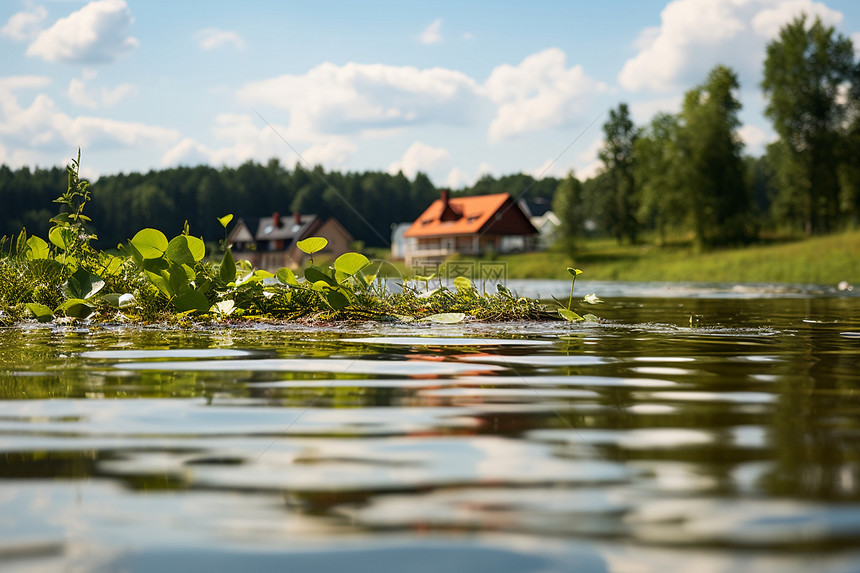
(682, 175)
(686, 175)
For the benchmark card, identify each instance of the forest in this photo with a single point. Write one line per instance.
(683, 176)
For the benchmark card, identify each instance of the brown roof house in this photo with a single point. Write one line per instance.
(270, 242)
(468, 226)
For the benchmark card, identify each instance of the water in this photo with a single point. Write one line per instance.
(695, 429)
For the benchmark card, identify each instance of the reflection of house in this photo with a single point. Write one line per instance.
(270, 242)
(467, 226)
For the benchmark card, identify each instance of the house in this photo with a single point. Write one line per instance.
(399, 243)
(467, 226)
(270, 242)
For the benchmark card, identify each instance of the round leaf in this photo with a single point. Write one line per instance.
(350, 263)
(186, 249)
(191, 301)
(312, 244)
(150, 243)
(574, 271)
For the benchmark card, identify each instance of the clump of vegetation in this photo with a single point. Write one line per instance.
(156, 279)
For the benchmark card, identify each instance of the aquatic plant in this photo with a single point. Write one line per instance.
(155, 279)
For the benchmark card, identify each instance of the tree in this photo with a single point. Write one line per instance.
(807, 72)
(567, 206)
(710, 165)
(617, 157)
(662, 198)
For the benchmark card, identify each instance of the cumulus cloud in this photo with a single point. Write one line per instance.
(243, 137)
(755, 138)
(458, 179)
(696, 35)
(81, 94)
(42, 126)
(539, 93)
(212, 38)
(25, 26)
(419, 157)
(355, 97)
(97, 33)
(432, 33)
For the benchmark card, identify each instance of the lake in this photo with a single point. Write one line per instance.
(695, 428)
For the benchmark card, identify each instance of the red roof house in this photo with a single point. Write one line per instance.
(467, 226)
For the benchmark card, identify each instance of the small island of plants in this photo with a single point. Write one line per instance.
(150, 279)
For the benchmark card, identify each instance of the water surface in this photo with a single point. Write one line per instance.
(686, 431)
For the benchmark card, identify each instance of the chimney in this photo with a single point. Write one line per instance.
(297, 217)
(276, 219)
(448, 212)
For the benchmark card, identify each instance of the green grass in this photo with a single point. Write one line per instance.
(819, 260)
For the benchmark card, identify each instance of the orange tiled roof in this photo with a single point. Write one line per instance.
(475, 212)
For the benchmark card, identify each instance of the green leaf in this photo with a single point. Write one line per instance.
(225, 220)
(312, 244)
(179, 277)
(350, 263)
(463, 285)
(62, 237)
(569, 315)
(37, 249)
(186, 249)
(446, 317)
(191, 301)
(150, 243)
(82, 284)
(40, 311)
(76, 308)
(314, 274)
(336, 299)
(160, 283)
(574, 271)
(117, 300)
(287, 277)
(227, 270)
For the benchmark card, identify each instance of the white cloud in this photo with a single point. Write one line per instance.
(244, 138)
(458, 179)
(768, 22)
(212, 38)
(696, 35)
(643, 111)
(537, 94)
(356, 97)
(419, 157)
(755, 139)
(25, 25)
(83, 96)
(43, 127)
(587, 164)
(432, 33)
(97, 33)
(331, 153)
(855, 39)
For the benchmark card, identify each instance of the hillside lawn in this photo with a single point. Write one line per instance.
(824, 260)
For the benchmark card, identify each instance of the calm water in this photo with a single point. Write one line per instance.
(699, 428)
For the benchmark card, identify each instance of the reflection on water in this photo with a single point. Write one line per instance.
(641, 443)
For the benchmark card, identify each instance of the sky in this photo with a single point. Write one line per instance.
(454, 89)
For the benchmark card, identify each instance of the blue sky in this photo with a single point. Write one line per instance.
(454, 89)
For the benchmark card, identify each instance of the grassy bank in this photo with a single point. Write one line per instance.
(820, 260)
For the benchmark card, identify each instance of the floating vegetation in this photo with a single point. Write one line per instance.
(153, 279)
